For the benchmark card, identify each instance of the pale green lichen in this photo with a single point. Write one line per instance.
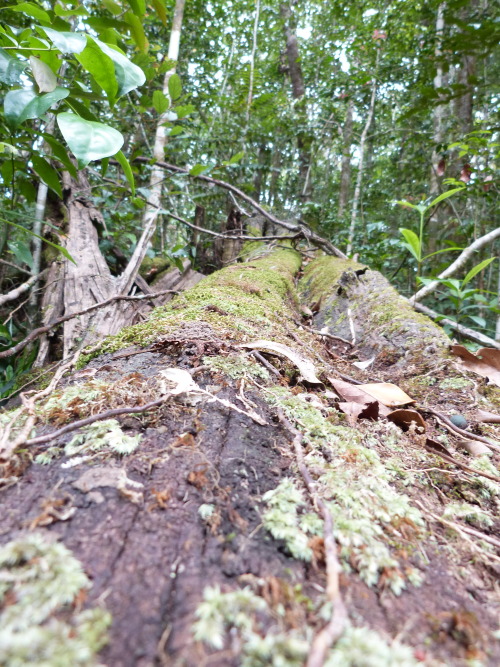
(455, 383)
(264, 644)
(102, 435)
(470, 513)
(236, 366)
(41, 580)
(361, 647)
(60, 400)
(356, 485)
(206, 511)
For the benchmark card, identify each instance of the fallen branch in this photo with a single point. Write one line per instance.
(465, 434)
(18, 291)
(36, 333)
(325, 639)
(464, 331)
(461, 260)
(311, 236)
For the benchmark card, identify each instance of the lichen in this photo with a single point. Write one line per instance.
(361, 647)
(40, 580)
(102, 435)
(366, 508)
(236, 366)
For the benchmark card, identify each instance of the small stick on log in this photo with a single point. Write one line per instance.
(325, 639)
(465, 434)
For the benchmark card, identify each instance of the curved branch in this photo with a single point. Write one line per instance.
(18, 291)
(457, 264)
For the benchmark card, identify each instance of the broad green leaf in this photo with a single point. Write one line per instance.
(81, 110)
(24, 103)
(35, 11)
(60, 152)
(45, 78)
(88, 140)
(236, 158)
(476, 269)
(452, 283)
(160, 101)
(174, 86)
(21, 252)
(444, 196)
(4, 332)
(8, 148)
(127, 170)
(62, 250)
(101, 67)
(184, 110)
(198, 169)
(112, 7)
(10, 68)
(128, 75)
(175, 131)
(47, 173)
(77, 11)
(138, 7)
(137, 31)
(159, 7)
(480, 321)
(66, 42)
(413, 243)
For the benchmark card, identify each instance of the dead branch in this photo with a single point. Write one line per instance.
(461, 260)
(36, 333)
(325, 639)
(311, 236)
(18, 291)
(461, 431)
(463, 331)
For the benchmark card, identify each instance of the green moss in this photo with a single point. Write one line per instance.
(236, 366)
(458, 382)
(321, 275)
(237, 302)
(41, 580)
(156, 264)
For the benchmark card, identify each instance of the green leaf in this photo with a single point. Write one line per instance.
(24, 103)
(77, 11)
(137, 31)
(198, 169)
(476, 269)
(80, 109)
(236, 158)
(127, 170)
(62, 250)
(138, 7)
(47, 173)
(412, 243)
(176, 131)
(10, 68)
(45, 78)
(66, 42)
(174, 86)
(438, 252)
(21, 252)
(444, 195)
(60, 152)
(480, 321)
(159, 7)
(406, 204)
(128, 75)
(8, 148)
(112, 7)
(101, 67)
(160, 101)
(88, 140)
(32, 10)
(184, 110)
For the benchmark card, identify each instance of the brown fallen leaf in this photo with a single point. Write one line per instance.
(486, 417)
(474, 447)
(404, 418)
(387, 393)
(437, 447)
(353, 393)
(360, 410)
(485, 363)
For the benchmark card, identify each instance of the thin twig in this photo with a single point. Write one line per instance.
(266, 363)
(36, 333)
(15, 293)
(323, 333)
(325, 639)
(465, 434)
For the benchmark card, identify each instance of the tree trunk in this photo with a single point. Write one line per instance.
(201, 539)
(345, 169)
(304, 139)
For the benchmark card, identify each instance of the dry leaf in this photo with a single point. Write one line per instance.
(387, 393)
(305, 365)
(177, 381)
(360, 410)
(485, 363)
(353, 393)
(363, 364)
(486, 417)
(474, 447)
(404, 419)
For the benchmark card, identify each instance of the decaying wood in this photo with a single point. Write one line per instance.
(150, 554)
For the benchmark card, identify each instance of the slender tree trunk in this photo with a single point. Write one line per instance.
(362, 149)
(304, 140)
(252, 64)
(345, 170)
(438, 123)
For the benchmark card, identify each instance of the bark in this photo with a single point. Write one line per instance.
(345, 169)
(184, 518)
(304, 140)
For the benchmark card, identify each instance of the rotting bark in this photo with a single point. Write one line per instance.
(200, 519)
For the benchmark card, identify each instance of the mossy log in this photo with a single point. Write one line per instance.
(187, 529)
